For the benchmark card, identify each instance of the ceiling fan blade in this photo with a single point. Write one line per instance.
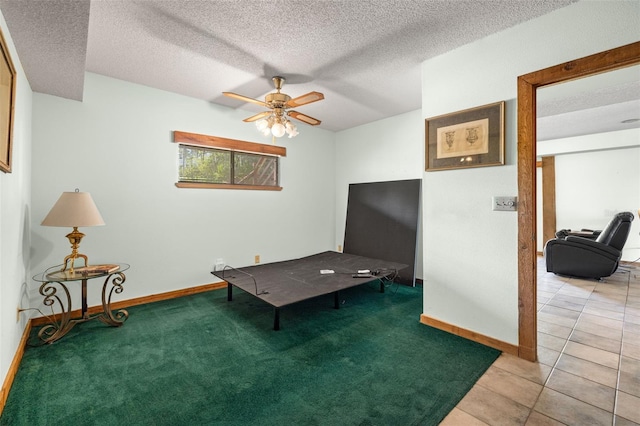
(245, 99)
(304, 118)
(305, 99)
(257, 116)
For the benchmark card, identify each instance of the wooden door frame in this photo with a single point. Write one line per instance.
(549, 227)
(547, 167)
(608, 60)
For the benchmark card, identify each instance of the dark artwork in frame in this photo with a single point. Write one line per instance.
(463, 139)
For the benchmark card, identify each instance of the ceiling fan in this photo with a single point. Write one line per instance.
(275, 121)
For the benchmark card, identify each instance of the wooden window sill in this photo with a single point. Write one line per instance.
(198, 185)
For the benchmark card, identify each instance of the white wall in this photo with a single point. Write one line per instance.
(15, 212)
(470, 251)
(117, 145)
(596, 176)
(386, 150)
(596, 142)
(591, 187)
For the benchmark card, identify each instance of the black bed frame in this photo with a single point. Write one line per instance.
(284, 283)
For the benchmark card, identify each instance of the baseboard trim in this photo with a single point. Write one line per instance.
(470, 335)
(13, 368)
(139, 301)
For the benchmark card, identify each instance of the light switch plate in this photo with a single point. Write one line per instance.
(505, 203)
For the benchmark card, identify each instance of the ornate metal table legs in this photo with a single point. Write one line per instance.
(55, 292)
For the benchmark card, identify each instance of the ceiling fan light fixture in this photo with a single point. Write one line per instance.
(277, 125)
(276, 121)
(278, 130)
(291, 129)
(262, 124)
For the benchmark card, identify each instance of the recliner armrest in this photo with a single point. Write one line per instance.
(586, 242)
(591, 230)
(594, 234)
(583, 233)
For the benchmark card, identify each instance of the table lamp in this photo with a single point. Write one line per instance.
(74, 209)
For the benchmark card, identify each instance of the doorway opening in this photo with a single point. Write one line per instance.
(527, 262)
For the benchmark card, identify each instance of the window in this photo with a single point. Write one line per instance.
(206, 165)
(253, 169)
(212, 162)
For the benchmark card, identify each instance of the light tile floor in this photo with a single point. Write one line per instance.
(588, 369)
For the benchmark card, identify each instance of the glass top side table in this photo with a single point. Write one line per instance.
(55, 291)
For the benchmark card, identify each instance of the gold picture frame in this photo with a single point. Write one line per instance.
(469, 138)
(7, 105)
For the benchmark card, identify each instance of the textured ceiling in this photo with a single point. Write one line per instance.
(596, 104)
(51, 39)
(364, 55)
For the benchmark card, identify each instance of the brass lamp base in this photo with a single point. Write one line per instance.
(74, 237)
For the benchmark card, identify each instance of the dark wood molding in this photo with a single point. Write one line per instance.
(224, 143)
(139, 301)
(13, 368)
(609, 60)
(527, 313)
(227, 186)
(470, 335)
(548, 198)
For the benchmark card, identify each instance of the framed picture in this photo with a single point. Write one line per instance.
(7, 101)
(470, 138)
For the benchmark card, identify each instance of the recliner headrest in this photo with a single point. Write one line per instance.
(617, 231)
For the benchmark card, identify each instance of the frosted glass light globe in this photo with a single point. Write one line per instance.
(278, 130)
(262, 124)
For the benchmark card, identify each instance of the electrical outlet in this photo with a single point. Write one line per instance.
(257, 258)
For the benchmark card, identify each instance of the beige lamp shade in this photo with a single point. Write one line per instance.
(74, 209)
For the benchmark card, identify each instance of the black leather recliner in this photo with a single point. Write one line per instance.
(589, 258)
(584, 233)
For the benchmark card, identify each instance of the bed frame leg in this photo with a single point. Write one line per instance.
(336, 300)
(229, 293)
(381, 286)
(276, 319)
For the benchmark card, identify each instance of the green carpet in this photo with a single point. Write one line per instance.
(200, 360)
